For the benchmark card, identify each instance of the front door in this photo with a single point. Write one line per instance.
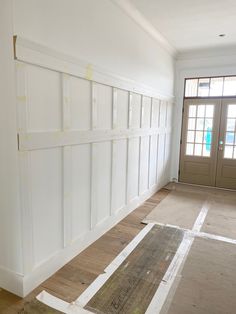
(208, 148)
(199, 145)
(226, 164)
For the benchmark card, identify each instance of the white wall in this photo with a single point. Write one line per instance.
(204, 63)
(100, 33)
(94, 136)
(10, 215)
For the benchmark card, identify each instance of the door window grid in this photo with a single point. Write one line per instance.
(211, 87)
(199, 130)
(230, 134)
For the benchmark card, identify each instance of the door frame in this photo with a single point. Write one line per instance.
(221, 98)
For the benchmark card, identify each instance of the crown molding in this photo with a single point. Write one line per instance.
(217, 51)
(138, 17)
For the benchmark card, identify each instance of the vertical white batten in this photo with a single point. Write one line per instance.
(24, 166)
(67, 163)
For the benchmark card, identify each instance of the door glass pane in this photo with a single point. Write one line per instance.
(192, 111)
(207, 137)
(189, 149)
(191, 124)
(198, 150)
(230, 125)
(208, 124)
(206, 150)
(200, 124)
(234, 152)
(230, 86)
(228, 152)
(201, 111)
(209, 111)
(229, 139)
(190, 136)
(216, 86)
(231, 111)
(199, 137)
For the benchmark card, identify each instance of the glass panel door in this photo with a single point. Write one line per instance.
(199, 141)
(226, 166)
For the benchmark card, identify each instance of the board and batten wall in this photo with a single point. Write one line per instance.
(82, 143)
(89, 153)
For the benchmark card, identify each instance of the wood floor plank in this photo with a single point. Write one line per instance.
(131, 288)
(36, 307)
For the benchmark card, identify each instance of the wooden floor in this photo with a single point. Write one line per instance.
(71, 280)
(133, 285)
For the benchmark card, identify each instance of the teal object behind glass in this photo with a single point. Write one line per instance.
(208, 139)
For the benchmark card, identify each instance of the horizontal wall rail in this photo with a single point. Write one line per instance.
(43, 140)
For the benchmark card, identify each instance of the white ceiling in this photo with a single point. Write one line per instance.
(191, 24)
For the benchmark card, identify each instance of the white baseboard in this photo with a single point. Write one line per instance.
(11, 281)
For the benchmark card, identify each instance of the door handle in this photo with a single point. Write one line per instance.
(221, 143)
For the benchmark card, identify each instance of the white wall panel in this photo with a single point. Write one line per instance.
(46, 202)
(101, 184)
(133, 168)
(163, 111)
(120, 109)
(155, 112)
(169, 114)
(144, 164)
(146, 112)
(81, 190)
(119, 173)
(161, 156)
(43, 99)
(135, 111)
(153, 160)
(167, 159)
(80, 103)
(102, 106)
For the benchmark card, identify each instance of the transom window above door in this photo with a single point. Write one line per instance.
(210, 87)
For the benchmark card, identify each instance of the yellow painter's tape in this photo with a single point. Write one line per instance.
(21, 98)
(89, 72)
